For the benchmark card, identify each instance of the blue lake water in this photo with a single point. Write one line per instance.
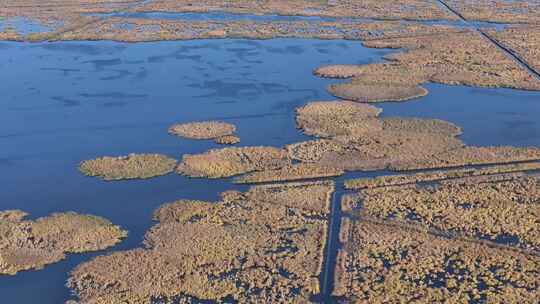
(65, 102)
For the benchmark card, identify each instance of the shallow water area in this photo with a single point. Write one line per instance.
(225, 16)
(24, 26)
(65, 102)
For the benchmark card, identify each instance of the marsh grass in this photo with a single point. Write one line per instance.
(257, 246)
(32, 244)
(133, 166)
(486, 209)
(203, 130)
(226, 162)
(382, 263)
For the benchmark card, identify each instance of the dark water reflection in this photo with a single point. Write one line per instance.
(65, 102)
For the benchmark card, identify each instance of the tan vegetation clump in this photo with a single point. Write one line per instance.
(477, 179)
(12, 215)
(498, 211)
(502, 11)
(376, 92)
(290, 173)
(232, 161)
(264, 245)
(350, 202)
(471, 155)
(468, 59)
(132, 166)
(523, 41)
(386, 9)
(465, 58)
(354, 138)
(182, 211)
(227, 140)
(310, 197)
(9, 34)
(382, 30)
(338, 71)
(375, 151)
(344, 118)
(418, 125)
(313, 151)
(399, 180)
(331, 118)
(397, 74)
(377, 83)
(203, 130)
(32, 244)
(383, 263)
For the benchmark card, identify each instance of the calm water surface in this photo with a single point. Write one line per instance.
(65, 102)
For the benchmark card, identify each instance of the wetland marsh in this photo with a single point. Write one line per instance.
(308, 151)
